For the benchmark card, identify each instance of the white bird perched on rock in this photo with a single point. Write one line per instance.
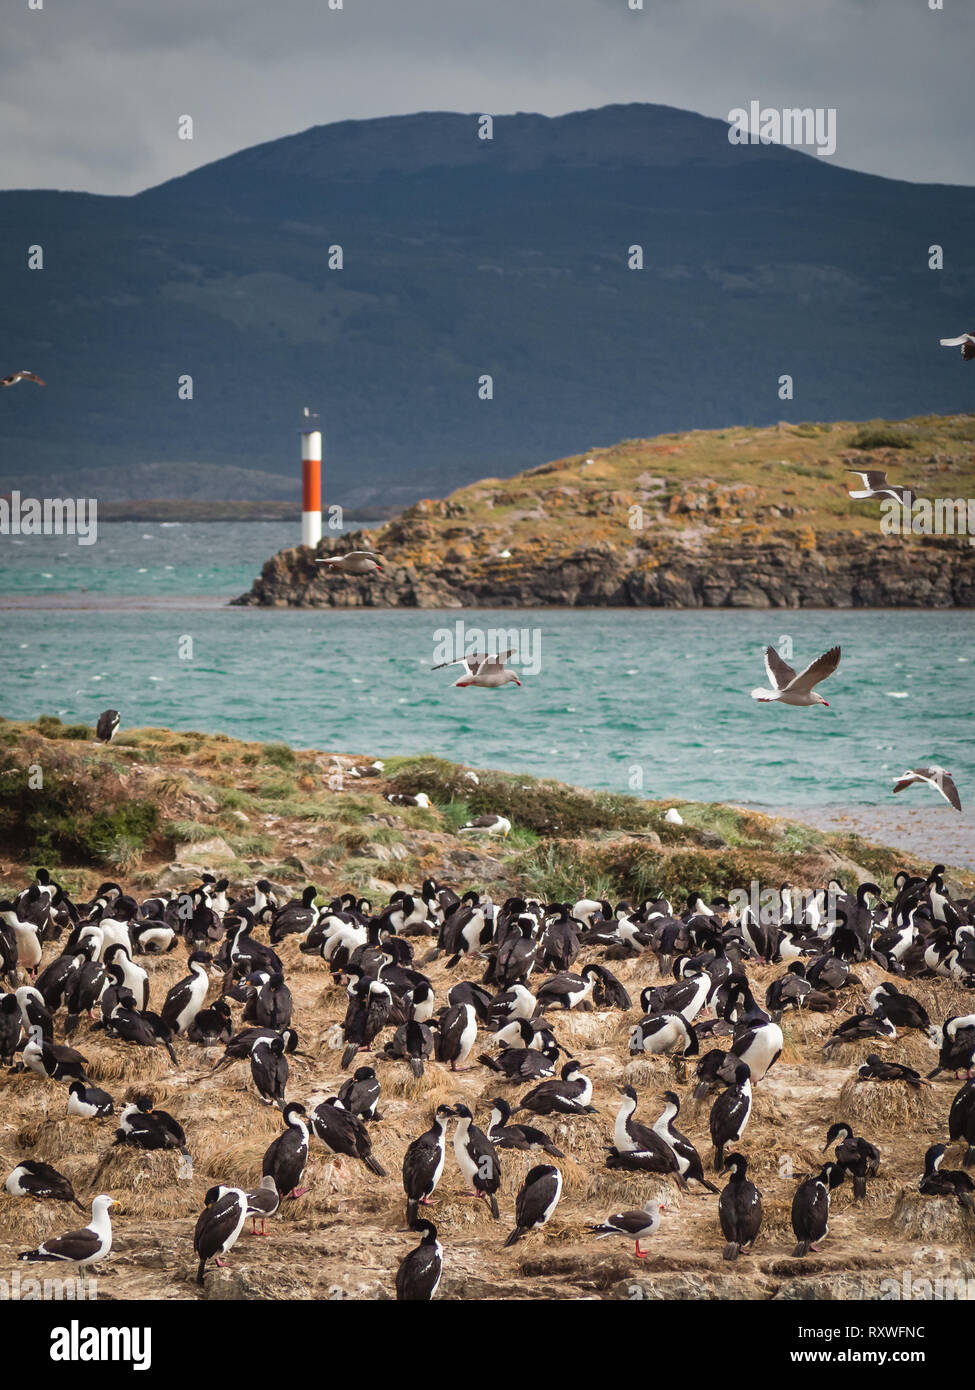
(482, 670)
(875, 485)
(790, 689)
(935, 777)
(487, 825)
(966, 341)
(355, 562)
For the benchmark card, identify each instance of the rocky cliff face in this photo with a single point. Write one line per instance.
(837, 571)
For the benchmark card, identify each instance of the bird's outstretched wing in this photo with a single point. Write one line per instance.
(873, 478)
(779, 672)
(476, 661)
(966, 341)
(14, 377)
(817, 670)
(350, 555)
(936, 777)
(946, 786)
(495, 660)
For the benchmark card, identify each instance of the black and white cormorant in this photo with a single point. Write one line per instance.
(739, 1208)
(418, 1276)
(477, 1159)
(536, 1201)
(423, 1163)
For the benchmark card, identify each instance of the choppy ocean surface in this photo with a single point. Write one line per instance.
(649, 701)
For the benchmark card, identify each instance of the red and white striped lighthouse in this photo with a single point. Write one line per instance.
(311, 485)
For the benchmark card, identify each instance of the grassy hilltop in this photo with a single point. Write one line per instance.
(709, 518)
(155, 798)
(739, 483)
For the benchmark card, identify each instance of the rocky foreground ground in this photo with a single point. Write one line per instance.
(251, 813)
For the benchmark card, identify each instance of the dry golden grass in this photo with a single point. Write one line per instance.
(25, 1222)
(881, 1106)
(126, 1062)
(917, 1217)
(347, 1230)
(146, 1185)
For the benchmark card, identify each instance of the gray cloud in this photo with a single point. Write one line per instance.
(91, 90)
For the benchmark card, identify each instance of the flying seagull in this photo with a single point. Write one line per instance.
(790, 689)
(966, 341)
(355, 562)
(14, 377)
(482, 670)
(875, 485)
(935, 777)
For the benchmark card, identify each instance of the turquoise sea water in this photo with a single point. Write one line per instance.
(147, 559)
(647, 700)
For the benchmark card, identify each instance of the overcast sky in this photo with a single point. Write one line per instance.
(91, 90)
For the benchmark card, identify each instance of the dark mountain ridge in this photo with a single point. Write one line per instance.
(465, 257)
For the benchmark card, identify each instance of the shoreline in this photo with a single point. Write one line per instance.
(918, 830)
(68, 600)
(929, 830)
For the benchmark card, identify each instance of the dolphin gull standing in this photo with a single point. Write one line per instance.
(935, 777)
(790, 689)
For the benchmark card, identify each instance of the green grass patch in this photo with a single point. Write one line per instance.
(250, 846)
(456, 813)
(275, 788)
(544, 807)
(278, 755)
(557, 873)
(882, 436)
(181, 831)
(50, 726)
(232, 798)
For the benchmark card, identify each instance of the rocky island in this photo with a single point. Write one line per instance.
(707, 519)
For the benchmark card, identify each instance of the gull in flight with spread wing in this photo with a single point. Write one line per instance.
(790, 689)
(875, 484)
(482, 670)
(355, 562)
(935, 777)
(14, 377)
(966, 341)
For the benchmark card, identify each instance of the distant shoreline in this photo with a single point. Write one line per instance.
(185, 510)
(68, 600)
